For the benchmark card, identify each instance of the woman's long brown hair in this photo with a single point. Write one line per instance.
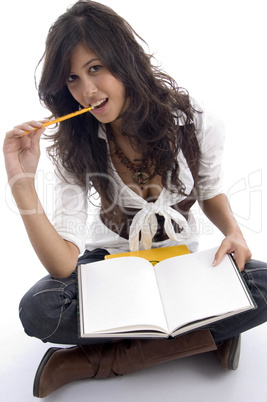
(154, 99)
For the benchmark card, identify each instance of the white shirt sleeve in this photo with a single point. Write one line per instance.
(210, 134)
(70, 215)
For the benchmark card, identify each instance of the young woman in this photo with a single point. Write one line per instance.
(150, 152)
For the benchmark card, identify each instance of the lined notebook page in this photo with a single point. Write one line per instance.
(193, 289)
(133, 299)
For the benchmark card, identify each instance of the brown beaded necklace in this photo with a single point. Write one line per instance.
(141, 174)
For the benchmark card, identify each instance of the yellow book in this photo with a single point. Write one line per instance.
(154, 255)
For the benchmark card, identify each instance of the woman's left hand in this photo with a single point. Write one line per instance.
(236, 245)
(218, 210)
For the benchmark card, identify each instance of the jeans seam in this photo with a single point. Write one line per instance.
(58, 323)
(262, 295)
(55, 330)
(51, 290)
(251, 281)
(61, 291)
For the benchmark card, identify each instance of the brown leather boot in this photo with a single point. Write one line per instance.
(61, 366)
(228, 352)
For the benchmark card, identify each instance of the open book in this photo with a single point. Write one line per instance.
(129, 297)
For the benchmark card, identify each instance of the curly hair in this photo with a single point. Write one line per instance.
(155, 102)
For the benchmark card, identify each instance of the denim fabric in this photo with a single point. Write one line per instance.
(255, 276)
(48, 310)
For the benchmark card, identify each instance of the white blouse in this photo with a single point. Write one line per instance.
(77, 221)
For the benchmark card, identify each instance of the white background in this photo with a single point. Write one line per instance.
(215, 49)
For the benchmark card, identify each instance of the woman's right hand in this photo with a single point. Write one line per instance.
(22, 152)
(21, 158)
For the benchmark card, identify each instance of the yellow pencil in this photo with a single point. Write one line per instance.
(54, 121)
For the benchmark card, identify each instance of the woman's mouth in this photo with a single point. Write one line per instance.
(99, 105)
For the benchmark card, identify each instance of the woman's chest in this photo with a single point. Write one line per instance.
(140, 180)
(135, 172)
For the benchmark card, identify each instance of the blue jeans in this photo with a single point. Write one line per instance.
(48, 310)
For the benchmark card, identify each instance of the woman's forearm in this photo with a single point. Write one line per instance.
(219, 212)
(58, 256)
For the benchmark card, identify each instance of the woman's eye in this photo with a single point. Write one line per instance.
(95, 68)
(72, 78)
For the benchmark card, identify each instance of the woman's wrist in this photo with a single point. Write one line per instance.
(25, 195)
(21, 183)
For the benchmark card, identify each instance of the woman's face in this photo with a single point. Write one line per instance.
(91, 84)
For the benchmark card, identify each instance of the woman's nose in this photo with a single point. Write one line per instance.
(89, 89)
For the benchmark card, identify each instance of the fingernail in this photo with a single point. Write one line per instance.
(214, 263)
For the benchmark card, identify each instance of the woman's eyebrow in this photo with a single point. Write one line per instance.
(89, 62)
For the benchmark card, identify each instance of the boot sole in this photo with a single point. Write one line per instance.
(39, 371)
